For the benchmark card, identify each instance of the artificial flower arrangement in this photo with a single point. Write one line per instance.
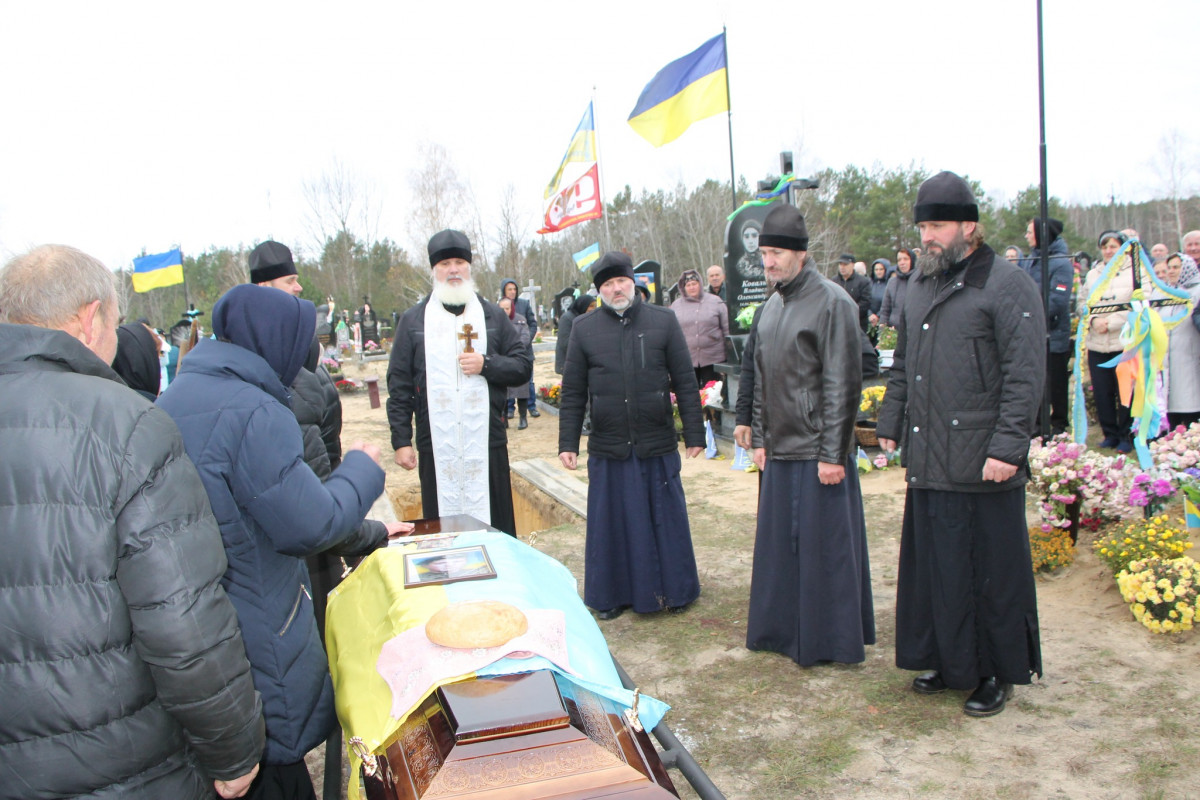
(1142, 539)
(1150, 491)
(887, 339)
(550, 394)
(331, 365)
(1065, 473)
(1178, 450)
(1050, 548)
(872, 401)
(370, 346)
(1161, 593)
(710, 394)
(347, 385)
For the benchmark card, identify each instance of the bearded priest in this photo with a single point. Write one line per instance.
(453, 359)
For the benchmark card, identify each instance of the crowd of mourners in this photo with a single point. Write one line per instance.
(176, 649)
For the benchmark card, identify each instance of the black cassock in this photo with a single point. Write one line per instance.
(810, 592)
(966, 604)
(639, 543)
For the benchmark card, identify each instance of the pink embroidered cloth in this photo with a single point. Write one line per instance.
(413, 666)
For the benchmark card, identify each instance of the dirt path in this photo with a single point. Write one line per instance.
(1113, 717)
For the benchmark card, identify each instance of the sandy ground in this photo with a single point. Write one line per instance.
(1113, 716)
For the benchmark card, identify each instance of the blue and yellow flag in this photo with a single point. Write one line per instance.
(582, 150)
(685, 91)
(157, 271)
(587, 256)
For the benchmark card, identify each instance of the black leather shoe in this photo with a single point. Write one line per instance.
(533, 412)
(929, 683)
(523, 424)
(989, 699)
(611, 613)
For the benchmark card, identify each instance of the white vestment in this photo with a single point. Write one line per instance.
(459, 408)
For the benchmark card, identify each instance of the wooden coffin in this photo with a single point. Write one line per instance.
(533, 735)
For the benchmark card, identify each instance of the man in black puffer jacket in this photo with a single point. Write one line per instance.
(628, 358)
(124, 670)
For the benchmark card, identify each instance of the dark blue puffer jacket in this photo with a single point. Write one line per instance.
(1062, 291)
(232, 408)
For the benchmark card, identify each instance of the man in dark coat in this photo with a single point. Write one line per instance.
(125, 674)
(964, 390)
(1058, 316)
(810, 591)
(472, 370)
(628, 357)
(509, 289)
(857, 286)
(230, 404)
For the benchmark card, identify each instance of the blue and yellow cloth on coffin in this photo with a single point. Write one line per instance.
(372, 606)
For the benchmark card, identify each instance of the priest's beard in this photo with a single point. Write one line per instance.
(933, 262)
(454, 294)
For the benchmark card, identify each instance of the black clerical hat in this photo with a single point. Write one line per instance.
(270, 260)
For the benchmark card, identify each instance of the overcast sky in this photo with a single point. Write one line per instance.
(130, 125)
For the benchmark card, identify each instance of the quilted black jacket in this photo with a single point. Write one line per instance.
(967, 378)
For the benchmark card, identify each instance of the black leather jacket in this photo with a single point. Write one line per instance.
(808, 372)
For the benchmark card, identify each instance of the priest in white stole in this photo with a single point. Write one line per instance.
(453, 358)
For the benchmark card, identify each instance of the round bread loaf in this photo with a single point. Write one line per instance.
(478, 623)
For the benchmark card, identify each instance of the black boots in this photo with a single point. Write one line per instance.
(522, 408)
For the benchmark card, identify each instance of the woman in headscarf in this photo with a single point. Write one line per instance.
(1103, 334)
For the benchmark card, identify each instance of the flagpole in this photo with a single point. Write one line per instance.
(729, 117)
(183, 272)
(600, 174)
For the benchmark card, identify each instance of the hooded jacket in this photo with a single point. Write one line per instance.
(892, 308)
(879, 285)
(1062, 289)
(137, 360)
(231, 406)
(122, 665)
(704, 320)
(521, 306)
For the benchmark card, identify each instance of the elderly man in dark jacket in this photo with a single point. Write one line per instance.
(810, 593)
(628, 357)
(124, 671)
(1058, 314)
(230, 403)
(434, 349)
(964, 390)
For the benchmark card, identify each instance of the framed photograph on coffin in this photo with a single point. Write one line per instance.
(447, 566)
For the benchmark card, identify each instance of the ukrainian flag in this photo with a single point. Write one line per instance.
(587, 256)
(157, 271)
(582, 149)
(685, 91)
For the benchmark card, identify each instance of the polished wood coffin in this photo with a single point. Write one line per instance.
(532, 735)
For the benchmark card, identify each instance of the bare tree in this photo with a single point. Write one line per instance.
(1174, 168)
(440, 197)
(343, 222)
